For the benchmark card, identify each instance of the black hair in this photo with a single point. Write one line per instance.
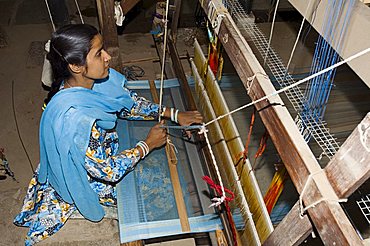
(69, 45)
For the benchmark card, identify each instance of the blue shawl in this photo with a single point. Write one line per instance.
(65, 130)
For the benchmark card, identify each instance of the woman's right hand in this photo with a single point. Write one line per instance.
(157, 136)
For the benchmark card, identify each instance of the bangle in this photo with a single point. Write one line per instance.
(162, 112)
(176, 114)
(172, 116)
(142, 150)
(144, 147)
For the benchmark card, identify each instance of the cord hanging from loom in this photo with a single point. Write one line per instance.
(165, 21)
(244, 154)
(215, 60)
(261, 148)
(227, 199)
(217, 200)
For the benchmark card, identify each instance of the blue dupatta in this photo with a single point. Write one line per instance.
(65, 130)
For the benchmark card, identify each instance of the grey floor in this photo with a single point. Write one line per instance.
(24, 29)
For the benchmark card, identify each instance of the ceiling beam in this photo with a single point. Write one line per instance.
(355, 40)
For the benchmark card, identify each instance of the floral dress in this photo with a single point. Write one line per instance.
(45, 212)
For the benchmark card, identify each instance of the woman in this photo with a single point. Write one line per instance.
(79, 158)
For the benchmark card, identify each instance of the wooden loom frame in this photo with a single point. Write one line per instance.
(328, 217)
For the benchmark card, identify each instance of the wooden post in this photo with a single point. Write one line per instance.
(175, 19)
(109, 31)
(179, 71)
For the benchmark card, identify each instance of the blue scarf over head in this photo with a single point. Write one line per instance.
(65, 130)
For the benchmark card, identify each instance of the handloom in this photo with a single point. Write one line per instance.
(146, 203)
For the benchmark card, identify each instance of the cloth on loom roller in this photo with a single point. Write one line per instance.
(247, 193)
(276, 187)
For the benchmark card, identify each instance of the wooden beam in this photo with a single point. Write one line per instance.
(346, 172)
(350, 166)
(329, 219)
(299, 229)
(127, 5)
(109, 31)
(356, 38)
(179, 71)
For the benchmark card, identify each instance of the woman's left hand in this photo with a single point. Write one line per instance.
(188, 118)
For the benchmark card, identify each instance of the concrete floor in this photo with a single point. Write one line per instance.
(24, 29)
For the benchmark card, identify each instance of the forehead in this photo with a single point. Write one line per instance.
(97, 42)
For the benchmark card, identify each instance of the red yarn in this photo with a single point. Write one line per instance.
(218, 189)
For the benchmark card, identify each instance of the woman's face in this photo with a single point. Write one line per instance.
(97, 60)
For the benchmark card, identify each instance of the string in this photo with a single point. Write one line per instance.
(363, 52)
(244, 154)
(79, 12)
(302, 209)
(18, 131)
(261, 149)
(272, 30)
(216, 200)
(250, 80)
(364, 131)
(318, 90)
(163, 61)
(297, 39)
(51, 18)
(218, 189)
